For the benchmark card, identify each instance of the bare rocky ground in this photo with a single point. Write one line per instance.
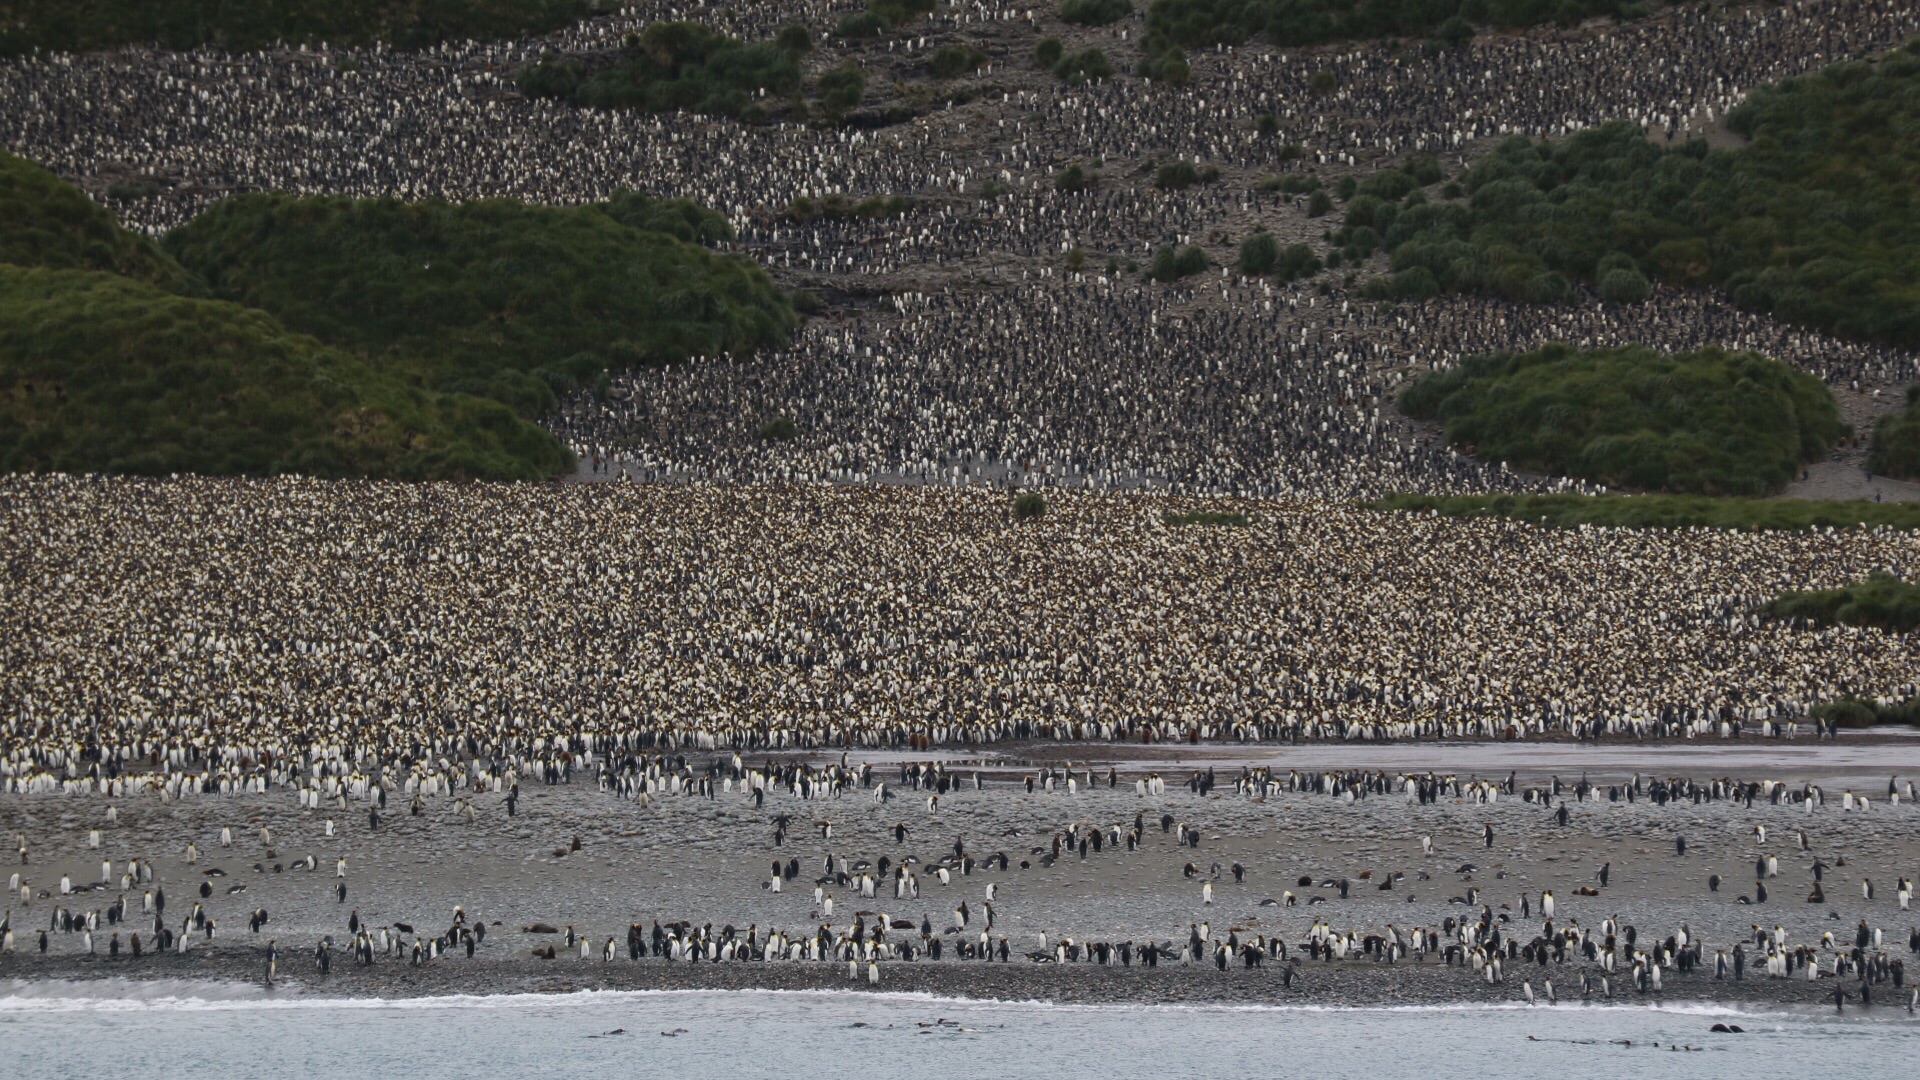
(707, 861)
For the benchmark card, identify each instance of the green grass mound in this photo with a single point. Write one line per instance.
(47, 222)
(492, 298)
(1094, 12)
(1816, 220)
(87, 25)
(1177, 519)
(1664, 511)
(1855, 713)
(100, 373)
(1896, 441)
(1881, 601)
(1292, 23)
(1708, 422)
(680, 65)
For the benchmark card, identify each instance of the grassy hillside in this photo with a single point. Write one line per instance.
(1896, 441)
(1816, 220)
(495, 298)
(100, 373)
(355, 338)
(1664, 511)
(1882, 601)
(44, 221)
(86, 25)
(1708, 422)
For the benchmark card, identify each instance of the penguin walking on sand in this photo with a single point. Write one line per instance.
(1206, 893)
(273, 962)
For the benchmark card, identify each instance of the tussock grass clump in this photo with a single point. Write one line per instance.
(678, 65)
(1665, 511)
(88, 25)
(1815, 220)
(1204, 517)
(1707, 422)
(1896, 441)
(493, 298)
(100, 373)
(45, 221)
(1882, 601)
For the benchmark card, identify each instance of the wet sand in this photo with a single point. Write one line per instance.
(707, 861)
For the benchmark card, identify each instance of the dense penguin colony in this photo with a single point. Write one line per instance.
(251, 629)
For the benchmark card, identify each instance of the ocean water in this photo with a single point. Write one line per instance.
(113, 1028)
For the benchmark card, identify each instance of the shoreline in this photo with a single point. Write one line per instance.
(1407, 985)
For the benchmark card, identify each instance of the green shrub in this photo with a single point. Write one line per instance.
(1296, 23)
(1708, 422)
(1262, 255)
(1048, 52)
(1320, 204)
(1882, 601)
(951, 60)
(794, 39)
(1029, 505)
(1075, 178)
(779, 429)
(1204, 517)
(1854, 713)
(488, 297)
(842, 88)
(1176, 176)
(47, 222)
(1624, 286)
(1171, 263)
(901, 12)
(682, 219)
(1168, 65)
(1814, 220)
(677, 66)
(1085, 66)
(88, 25)
(100, 373)
(1896, 441)
(1665, 511)
(860, 24)
(1297, 261)
(1454, 32)
(1259, 254)
(1094, 12)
